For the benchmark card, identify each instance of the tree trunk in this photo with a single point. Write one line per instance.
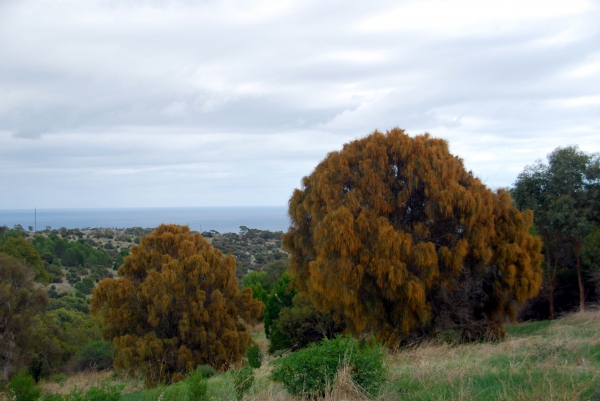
(579, 277)
(550, 279)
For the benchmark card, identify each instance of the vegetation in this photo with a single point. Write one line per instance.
(391, 241)
(253, 249)
(20, 301)
(311, 370)
(175, 305)
(392, 235)
(564, 196)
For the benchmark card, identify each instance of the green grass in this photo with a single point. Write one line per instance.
(558, 360)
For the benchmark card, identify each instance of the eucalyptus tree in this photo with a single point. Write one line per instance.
(564, 196)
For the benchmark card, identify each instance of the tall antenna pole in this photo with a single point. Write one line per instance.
(35, 219)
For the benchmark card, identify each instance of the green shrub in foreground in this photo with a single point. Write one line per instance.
(196, 386)
(22, 387)
(310, 370)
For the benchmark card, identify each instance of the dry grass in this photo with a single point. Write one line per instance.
(86, 380)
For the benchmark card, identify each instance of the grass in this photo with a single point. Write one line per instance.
(558, 360)
(550, 360)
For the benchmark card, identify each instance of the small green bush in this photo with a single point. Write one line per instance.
(242, 380)
(197, 386)
(22, 387)
(309, 371)
(96, 355)
(206, 370)
(254, 356)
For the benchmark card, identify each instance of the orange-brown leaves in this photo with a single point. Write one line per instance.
(383, 227)
(175, 305)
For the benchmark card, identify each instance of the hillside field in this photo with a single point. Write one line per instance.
(545, 360)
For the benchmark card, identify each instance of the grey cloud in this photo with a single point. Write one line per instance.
(218, 95)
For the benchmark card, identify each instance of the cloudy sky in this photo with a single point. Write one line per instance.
(124, 103)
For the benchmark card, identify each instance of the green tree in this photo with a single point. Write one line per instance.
(383, 227)
(23, 250)
(20, 301)
(563, 197)
(175, 305)
(280, 297)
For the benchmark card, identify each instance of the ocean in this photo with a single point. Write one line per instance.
(221, 219)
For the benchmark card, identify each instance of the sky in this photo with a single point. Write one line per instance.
(124, 103)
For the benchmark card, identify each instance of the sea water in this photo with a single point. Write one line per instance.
(221, 219)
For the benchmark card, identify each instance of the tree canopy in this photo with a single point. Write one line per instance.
(175, 305)
(20, 301)
(389, 231)
(564, 195)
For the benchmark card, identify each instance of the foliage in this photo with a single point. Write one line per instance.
(120, 258)
(175, 305)
(22, 387)
(197, 386)
(280, 297)
(206, 370)
(390, 224)
(242, 380)
(71, 253)
(20, 301)
(23, 250)
(253, 249)
(69, 302)
(95, 355)
(310, 370)
(302, 324)
(59, 334)
(254, 355)
(563, 197)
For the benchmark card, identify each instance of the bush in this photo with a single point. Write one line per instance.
(254, 356)
(197, 386)
(310, 370)
(206, 370)
(22, 387)
(243, 380)
(95, 355)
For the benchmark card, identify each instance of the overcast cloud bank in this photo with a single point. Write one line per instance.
(220, 103)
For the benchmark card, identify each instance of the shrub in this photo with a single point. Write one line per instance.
(95, 355)
(197, 386)
(310, 370)
(242, 380)
(206, 370)
(22, 387)
(254, 356)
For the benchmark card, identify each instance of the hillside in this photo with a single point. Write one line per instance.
(547, 360)
(98, 252)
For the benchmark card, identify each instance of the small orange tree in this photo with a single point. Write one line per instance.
(175, 305)
(394, 236)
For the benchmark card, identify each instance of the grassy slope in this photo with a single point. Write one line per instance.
(557, 360)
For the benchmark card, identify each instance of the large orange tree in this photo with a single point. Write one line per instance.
(395, 237)
(175, 305)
